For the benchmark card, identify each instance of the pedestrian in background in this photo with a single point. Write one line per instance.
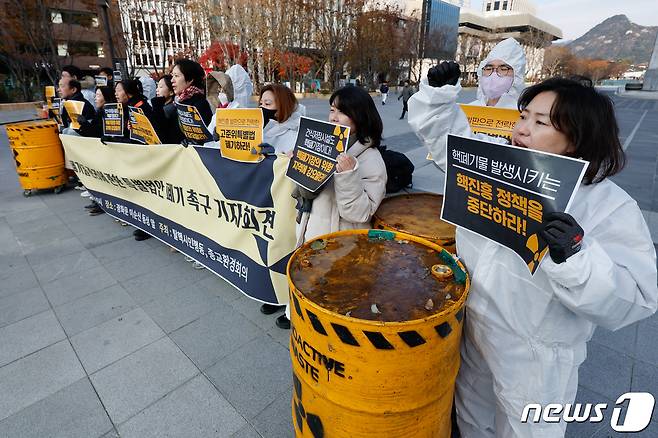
(405, 95)
(384, 90)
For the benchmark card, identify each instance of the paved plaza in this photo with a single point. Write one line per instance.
(103, 336)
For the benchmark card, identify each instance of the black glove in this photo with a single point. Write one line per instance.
(81, 119)
(265, 149)
(447, 72)
(563, 235)
(215, 136)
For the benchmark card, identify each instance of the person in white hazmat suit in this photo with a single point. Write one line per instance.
(500, 82)
(242, 86)
(525, 336)
(501, 75)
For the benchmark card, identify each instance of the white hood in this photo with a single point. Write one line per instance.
(149, 86)
(242, 86)
(511, 52)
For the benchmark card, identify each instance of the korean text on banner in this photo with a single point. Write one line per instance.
(237, 219)
(113, 120)
(316, 148)
(74, 109)
(141, 129)
(192, 125)
(496, 122)
(240, 131)
(503, 192)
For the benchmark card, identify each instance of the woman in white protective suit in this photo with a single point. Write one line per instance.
(242, 86)
(501, 75)
(525, 336)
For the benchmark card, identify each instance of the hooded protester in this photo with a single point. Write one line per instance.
(242, 86)
(501, 75)
(525, 336)
(282, 114)
(148, 87)
(498, 86)
(88, 85)
(220, 93)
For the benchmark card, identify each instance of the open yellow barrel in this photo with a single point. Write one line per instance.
(418, 214)
(376, 325)
(38, 154)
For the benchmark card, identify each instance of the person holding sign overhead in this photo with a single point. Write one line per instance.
(281, 115)
(525, 335)
(351, 197)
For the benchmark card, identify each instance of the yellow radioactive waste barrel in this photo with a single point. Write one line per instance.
(38, 154)
(376, 322)
(418, 214)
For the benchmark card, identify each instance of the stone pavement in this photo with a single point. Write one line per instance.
(102, 336)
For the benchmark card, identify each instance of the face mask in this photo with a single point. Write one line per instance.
(268, 114)
(494, 86)
(223, 99)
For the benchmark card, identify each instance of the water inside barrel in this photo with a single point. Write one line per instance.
(384, 280)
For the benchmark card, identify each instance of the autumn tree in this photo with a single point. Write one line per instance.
(29, 40)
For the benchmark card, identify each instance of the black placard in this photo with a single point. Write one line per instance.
(192, 125)
(113, 120)
(316, 148)
(502, 192)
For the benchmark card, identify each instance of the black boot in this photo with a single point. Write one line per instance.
(283, 323)
(96, 211)
(140, 235)
(269, 309)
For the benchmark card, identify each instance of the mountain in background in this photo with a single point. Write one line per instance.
(615, 39)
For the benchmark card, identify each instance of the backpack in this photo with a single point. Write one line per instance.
(398, 169)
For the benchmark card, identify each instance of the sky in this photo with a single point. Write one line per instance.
(575, 17)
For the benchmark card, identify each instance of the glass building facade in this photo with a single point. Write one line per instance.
(440, 29)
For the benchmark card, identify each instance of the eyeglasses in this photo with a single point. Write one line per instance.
(501, 70)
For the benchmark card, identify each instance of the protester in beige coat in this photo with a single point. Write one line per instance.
(351, 197)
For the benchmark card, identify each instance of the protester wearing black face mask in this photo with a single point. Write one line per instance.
(281, 116)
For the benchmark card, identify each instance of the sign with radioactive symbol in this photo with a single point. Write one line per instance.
(317, 146)
(502, 192)
(192, 125)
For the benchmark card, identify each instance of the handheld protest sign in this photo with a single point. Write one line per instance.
(56, 109)
(74, 109)
(49, 94)
(502, 192)
(113, 120)
(141, 129)
(101, 81)
(496, 122)
(116, 76)
(192, 125)
(316, 148)
(240, 131)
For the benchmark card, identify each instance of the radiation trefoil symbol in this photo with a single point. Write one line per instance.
(533, 245)
(342, 135)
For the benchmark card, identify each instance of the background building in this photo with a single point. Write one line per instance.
(502, 7)
(438, 37)
(478, 33)
(156, 31)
